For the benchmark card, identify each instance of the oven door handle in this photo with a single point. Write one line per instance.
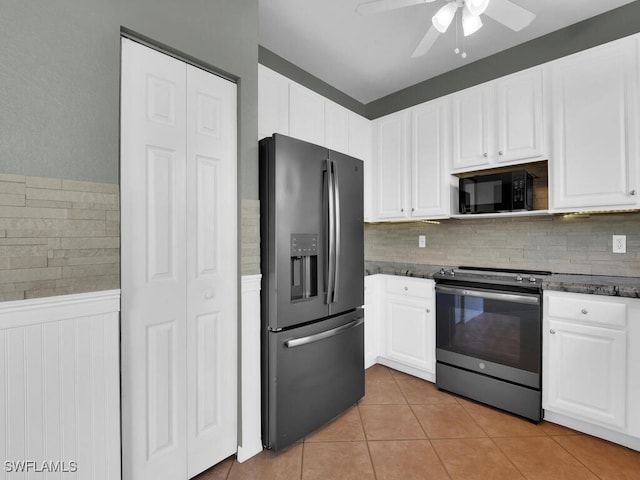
(491, 294)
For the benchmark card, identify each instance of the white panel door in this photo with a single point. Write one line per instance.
(179, 272)
(211, 269)
(154, 328)
(595, 130)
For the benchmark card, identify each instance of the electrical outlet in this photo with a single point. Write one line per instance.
(619, 244)
(422, 241)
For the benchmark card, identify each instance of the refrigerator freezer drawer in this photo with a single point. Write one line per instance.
(314, 373)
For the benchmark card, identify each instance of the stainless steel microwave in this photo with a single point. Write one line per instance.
(497, 192)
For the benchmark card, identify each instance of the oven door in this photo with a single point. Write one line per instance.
(493, 332)
(485, 194)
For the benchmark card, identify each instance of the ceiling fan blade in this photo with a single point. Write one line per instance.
(509, 14)
(378, 6)
(426, 43)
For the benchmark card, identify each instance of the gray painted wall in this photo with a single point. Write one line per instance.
(601, 29)
(60, 71)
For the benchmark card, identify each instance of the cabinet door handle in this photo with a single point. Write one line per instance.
(500, 153)
(485, 154)
(584, 311)
(633, 192)
(428, 311)
(552, 331)
(406, 288)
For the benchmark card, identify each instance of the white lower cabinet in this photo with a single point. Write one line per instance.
(373, 285)
(407, 325)
(591, 353)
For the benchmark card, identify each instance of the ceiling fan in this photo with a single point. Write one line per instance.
(503, 11)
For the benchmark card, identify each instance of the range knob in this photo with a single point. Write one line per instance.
(532, 280)
(518, 278)
(452, 272)
(442, 271)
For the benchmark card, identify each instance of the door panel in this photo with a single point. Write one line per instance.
(295, 214)
(350, 258)
(211, 269)
(153, 264)
(179, 272)
(310, 384)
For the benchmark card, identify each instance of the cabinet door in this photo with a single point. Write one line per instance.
(585, 372)
(391, 158)
(410, 331)
(430, 152)
(595, 131)
(273, 103)
(360, 139)
(472, 114)
(336, 127)
(306, 114)
(520, 124)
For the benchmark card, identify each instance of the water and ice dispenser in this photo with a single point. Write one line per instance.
(304, 266)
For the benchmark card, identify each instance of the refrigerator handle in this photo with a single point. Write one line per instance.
(296, 342)
(336, 231)
(332, 245)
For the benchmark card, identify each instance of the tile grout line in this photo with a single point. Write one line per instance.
(573, 456)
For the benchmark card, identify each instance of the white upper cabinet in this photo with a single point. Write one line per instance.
(431, 139)
(520, 116)
(413, 150)
(360, 143)
(499, 122)
(306, 114)
(472, 114)
(336, 127)
(595, 128)
(391, 150)
(273, 103)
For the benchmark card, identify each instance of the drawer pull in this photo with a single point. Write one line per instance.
(584, 311)
(406, 288)
(552, 331)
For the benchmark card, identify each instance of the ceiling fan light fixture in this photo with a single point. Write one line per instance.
(470, 23)
(476, 7)
(443, 17)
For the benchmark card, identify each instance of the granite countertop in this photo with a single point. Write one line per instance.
(611, 286)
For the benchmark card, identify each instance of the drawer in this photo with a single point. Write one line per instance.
(417, 287)
(587, 309)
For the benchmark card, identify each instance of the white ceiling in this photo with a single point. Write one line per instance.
(368, 57)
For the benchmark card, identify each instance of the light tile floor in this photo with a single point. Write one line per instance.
(406, 429)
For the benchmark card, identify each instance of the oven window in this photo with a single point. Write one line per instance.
(498, 331)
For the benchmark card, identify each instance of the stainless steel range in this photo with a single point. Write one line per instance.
(488, 337)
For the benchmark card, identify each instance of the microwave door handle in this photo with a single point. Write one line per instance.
(336, 231)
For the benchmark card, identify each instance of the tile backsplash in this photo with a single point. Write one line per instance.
(561, 244)
(57, 237)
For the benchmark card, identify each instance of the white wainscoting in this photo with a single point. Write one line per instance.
(251, 438)
(60, 386)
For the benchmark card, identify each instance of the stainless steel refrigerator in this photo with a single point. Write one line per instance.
(312, 260)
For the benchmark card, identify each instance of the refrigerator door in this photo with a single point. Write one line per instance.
(313, 373)
(293, 230)
(349, 267)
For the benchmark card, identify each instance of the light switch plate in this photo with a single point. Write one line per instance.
(619, 244)
(422, 241)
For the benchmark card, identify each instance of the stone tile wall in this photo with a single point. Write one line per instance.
(562, 244)
(57, 237)
(250, 237)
